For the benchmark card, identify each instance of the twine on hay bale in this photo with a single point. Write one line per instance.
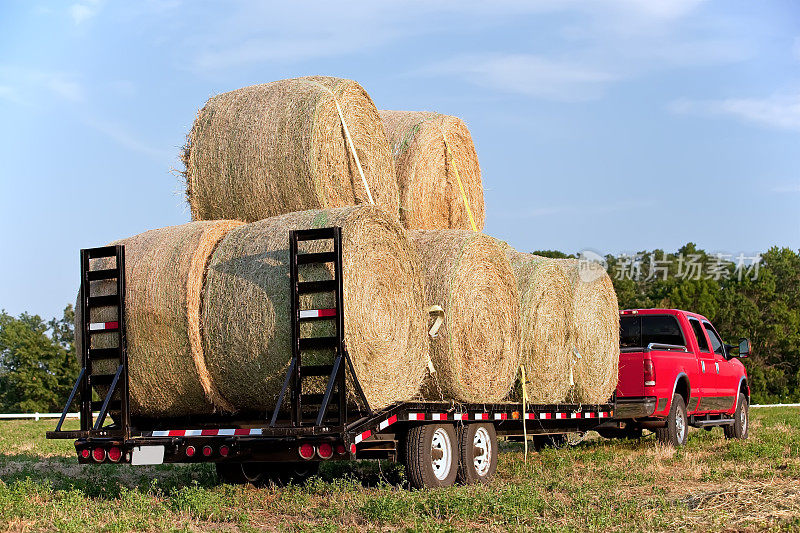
(430, 196)
(164, 271)
(545, 316)
(595, 330)
(476, 352)
(246, 307)
(280, 147)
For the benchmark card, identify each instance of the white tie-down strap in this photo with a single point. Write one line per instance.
(575, 357)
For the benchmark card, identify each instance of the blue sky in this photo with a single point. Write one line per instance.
(612, 125)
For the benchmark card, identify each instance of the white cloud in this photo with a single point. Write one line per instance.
(529, 75)
(124, 138)
(780, 112)
(83, 11)
(66, 89)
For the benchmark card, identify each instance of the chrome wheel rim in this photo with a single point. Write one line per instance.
(482, 460)
(743, 419)
(442, 465)
(680, 428)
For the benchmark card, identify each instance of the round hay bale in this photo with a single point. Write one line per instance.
(246, 307)
(280, 147)
(430, 197)
(545, 316)
(595, 330)
(476, 351)
(164, 271)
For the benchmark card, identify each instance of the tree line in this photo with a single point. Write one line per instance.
(756, 297)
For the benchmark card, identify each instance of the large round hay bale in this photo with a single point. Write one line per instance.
(545, 316)
(595, 330)
(476, 352)
(430, 196)
(246, 307)
(280, 147)
(164, 279)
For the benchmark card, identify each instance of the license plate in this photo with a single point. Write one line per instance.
(147, 455)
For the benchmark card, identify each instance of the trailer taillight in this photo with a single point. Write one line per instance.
(190, 451)
(86, 453)
(306, 451)
(649, 373)
(224, 451)
(340, 449)
(325, 451)
(114, 454)
(99, 454)
(207, 451)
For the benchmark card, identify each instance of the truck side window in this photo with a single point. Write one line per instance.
(698, 332)
(716, 343)
(661, 329)
(630, 332)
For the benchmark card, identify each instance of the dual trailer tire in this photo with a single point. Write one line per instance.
(436, 455)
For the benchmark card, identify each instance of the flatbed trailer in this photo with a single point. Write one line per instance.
(439, 442)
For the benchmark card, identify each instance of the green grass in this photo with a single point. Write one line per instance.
(713, 484)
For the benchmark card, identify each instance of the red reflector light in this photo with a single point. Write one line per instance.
(340, 449)
(325, 451)
(99, 454)
(207, 451)
(224, 451)
(115, 454)
(190, 451)
(306, 451)
(86, 453)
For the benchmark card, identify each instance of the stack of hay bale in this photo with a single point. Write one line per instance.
(434, 308)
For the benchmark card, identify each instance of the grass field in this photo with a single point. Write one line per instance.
(712, 484)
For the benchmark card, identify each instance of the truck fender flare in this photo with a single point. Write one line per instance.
(675, 387)
(739, 388)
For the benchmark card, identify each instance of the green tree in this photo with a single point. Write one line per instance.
(38, 366)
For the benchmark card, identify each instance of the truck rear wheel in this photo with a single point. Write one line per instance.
(741, 420)
(477, 444)
(431, 456)
(240, 473)
(676, 432)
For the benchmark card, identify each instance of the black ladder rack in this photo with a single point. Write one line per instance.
(112, 387)
(336, 389)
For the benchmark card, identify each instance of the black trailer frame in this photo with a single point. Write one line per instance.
(282, 435)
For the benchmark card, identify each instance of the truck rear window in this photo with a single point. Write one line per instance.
(641, 330)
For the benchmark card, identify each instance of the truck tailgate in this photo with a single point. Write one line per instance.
(631, 374)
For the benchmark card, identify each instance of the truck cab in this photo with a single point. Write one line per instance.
(676, 371)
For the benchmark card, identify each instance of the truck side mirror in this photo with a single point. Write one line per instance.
(744, 347)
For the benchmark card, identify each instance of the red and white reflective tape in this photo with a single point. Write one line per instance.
(460, 416)
(575, 415)
(388, 422)
(530, 416)
(501, 416)
(207, 432)
(481, 416)
(416, 416)
(367, 434)
(545, 416)
(439, 416)
(561, 416)
(102, 326)
(603, 414)
(589, 415)
(317, 313)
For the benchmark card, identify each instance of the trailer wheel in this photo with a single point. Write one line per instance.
(477, 444)
(282, 474)
(431, 456)
(676, 432)
(740, 428)
(240, 473)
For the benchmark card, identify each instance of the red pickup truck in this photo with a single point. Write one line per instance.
(674, 372)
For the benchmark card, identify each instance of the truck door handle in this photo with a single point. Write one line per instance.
(703, 365)
(717, 366)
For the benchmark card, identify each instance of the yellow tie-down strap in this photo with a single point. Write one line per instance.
(352, 147)
(458, 179)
